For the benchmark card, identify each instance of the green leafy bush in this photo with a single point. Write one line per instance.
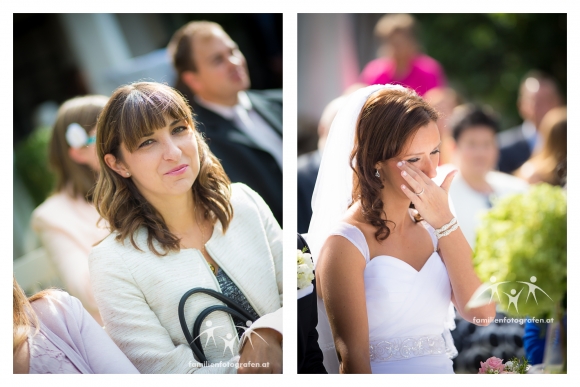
(31, 164)
(521, 237)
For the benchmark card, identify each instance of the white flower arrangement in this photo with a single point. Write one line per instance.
(305, 269)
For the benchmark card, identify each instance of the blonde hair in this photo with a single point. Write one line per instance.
(24, 317)
(553, 154)
(76, 179)
(133, 112)
(392, 23)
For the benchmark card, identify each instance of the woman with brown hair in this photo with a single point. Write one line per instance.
(391, 257)
(54, 334)
(178, 223)
(548, 165)
(67, 221)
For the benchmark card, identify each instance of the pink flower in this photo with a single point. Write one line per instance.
(493, 365)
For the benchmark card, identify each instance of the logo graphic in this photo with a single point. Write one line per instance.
(512, 299)
(532, 289)
(228, 343)
(494, 287)
(249, 336)
(210, 333)
(228, 340)
(513, 295)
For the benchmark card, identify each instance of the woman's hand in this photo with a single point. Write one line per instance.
(429, 199)
(263, 354)
(433, 205)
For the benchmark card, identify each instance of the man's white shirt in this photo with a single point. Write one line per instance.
(249, 121)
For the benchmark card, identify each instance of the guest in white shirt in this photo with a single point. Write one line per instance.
(477, 185)
(539, 93)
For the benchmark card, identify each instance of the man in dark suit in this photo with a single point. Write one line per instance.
(538, 95)
(309, 354)
(243, 127)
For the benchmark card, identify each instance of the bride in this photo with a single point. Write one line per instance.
(391, 256)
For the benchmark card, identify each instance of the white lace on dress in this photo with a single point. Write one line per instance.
(46, 358)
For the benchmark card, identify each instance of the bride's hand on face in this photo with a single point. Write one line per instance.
(432, 201)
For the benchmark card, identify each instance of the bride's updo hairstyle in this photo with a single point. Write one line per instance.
(132, 112)
(387, 122)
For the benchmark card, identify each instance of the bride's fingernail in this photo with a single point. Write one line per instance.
(403, 186)
(400, 164)
(404, 173)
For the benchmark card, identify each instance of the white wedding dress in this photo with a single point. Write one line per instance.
(407, 310)
(410, 313)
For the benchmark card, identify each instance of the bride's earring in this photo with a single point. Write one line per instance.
(377, 174)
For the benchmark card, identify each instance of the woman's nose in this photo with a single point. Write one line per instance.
(430, 169)
(171, 151)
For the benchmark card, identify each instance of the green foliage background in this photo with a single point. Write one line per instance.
(524, 235)
(486, 55)
(31, 164)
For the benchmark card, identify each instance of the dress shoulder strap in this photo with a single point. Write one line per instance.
(355, 236)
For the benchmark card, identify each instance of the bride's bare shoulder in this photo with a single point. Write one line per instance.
(339, 248)
(336, 245)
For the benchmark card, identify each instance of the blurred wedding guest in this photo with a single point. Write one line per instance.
(444, 100)
(477, 184)
(309, 163)
(549, 163)
(402, 61)
(67, 221)
(538, 94)
(177, 223)
(244, 127)
(54, 334)
(309, 354)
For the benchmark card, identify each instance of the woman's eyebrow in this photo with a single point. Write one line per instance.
(171, 124)
(413, 154)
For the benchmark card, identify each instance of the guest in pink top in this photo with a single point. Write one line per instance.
(67, 222)
(403, 62)
(54, 334)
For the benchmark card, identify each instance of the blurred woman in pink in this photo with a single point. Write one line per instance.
(54, 334)
(402, 63)
(67, 221)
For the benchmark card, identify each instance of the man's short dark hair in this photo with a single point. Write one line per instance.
(180, 47)
(542, 77)
(469, 116)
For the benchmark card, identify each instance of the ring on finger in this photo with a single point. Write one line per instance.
(419, 193)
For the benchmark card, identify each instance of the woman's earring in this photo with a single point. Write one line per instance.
(377, 174)
(128, 174)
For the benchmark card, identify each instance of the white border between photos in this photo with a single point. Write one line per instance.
(290, 10)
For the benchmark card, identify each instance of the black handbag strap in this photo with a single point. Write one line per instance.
(231, 307)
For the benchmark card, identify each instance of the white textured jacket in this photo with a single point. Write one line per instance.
(138, 292)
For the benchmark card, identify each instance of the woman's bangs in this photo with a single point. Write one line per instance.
(142, 114)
